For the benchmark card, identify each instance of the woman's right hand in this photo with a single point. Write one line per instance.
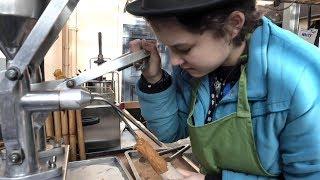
(152, 73)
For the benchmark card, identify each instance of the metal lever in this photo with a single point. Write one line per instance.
(119, 63)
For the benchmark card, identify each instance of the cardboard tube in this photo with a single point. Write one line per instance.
(65, 126)
(72, 135)
(72, 122)
(66, 139)
(73, 148)
(49, 126)
(57, 125)
(82, 151)
(157, 162)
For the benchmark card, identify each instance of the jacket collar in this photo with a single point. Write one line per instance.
(256, 67)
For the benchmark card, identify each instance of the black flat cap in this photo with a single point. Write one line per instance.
(169, 7)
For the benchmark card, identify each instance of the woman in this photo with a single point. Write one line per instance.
(246, 91)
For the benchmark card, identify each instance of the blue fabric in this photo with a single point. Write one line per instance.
(284, 93)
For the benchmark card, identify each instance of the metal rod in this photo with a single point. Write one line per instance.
(135, 135)
(163, 152)
(100, 43)
(175, 155)
(150, 135)
(309, 15)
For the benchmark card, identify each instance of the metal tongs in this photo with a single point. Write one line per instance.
(180, 150)
(178, 153)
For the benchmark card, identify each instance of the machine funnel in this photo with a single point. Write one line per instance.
(17, 18)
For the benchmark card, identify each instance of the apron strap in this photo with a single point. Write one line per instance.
(195, 86)
(243, 107)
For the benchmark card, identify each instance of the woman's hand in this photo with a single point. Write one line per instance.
(152, 73)
(188, 175)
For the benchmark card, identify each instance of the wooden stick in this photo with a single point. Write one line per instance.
(57, 125)
(157, 162)
(72, 133)
(82, 150)
(65, 126)
(49, 126)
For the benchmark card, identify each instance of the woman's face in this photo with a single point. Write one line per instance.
(196, 53)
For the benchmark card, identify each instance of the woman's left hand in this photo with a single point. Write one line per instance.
(188, 175)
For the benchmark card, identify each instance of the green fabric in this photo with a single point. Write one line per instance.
(227, 143)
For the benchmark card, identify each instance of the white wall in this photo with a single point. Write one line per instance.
(53, 59)
(98, 16)
(89, 18)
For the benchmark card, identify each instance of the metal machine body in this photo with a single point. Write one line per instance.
(27, 31)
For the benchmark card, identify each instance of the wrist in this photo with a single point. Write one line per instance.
(151, 88)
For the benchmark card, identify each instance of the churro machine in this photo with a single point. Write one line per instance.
(27, 31)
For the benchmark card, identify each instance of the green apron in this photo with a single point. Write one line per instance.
(227, 143)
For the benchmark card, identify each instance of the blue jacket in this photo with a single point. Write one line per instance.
(283, 76)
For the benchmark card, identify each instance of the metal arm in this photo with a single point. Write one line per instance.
(119, 63)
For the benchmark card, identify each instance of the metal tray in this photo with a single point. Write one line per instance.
(132, 156)
(111, 161)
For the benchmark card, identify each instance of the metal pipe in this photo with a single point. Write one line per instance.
(118, 87)
(41, 101)
(56, 100)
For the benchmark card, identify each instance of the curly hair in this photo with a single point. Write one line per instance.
(215, 20)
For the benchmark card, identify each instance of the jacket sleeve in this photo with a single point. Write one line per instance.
(300, 138)
(165, 112)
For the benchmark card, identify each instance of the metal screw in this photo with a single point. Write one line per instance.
(15, 158)
(52, 162)
(70, 83)
(12, 74)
